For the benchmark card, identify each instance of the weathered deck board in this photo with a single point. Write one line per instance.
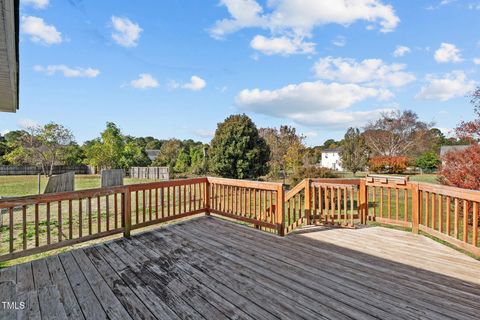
(208, 268)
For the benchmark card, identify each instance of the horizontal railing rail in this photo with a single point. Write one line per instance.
(34, 224)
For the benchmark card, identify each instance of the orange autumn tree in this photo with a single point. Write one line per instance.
(461, 168)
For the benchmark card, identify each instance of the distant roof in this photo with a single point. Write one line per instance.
(446, 149)
(152, 154)
(332, 150)
(9, 55)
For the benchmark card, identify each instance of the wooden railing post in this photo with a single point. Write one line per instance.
(280, 212)
(415, 206)
(363, 201)
(206, 195)
(127, 214)
(308, 201)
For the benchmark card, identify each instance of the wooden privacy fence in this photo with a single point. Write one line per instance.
(154, 173)
(35, 224)
(34, 170)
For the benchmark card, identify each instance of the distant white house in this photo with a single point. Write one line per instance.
(331, 159)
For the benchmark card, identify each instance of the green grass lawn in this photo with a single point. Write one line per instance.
(15, 186)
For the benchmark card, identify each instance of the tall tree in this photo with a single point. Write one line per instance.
(282, 142)
(106, 152)
(44, 146)
(237, 150)
(355, 152)
(167, 157)
(398, 134)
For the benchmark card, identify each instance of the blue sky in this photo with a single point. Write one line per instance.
(176, 68)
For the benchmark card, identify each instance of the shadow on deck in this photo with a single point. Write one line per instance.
(208, 268)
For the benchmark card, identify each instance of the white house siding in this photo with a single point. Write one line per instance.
(331, 160)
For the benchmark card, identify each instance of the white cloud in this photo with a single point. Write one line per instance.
(281, 45)
(446, 87)
(67, 71)
(144, 81)
(196, 84)
(296, 19)
(369, 71)
(4, 132)
(476, 61)
(37, 4)
(340, 41)
(312, 103)
(400, 51)
(39, 31)
(301, 17)
(27, 123)
(448, 53)
(126, 32)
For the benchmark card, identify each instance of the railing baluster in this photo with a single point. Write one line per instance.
(48, 222)
(156, 203)
(150, 204)
(351, 204)
(475, 224)
(427, 208)
(174, 202)
(184, 198)
(434, 209)
(162, 196)
(144, 206)
(397, 207)
(115, 209)
(381, 202)
(389, 203)
(99, 214)
(10, 228)
(107, 209)
(136, 207)
(440, 213)
(24, 225)
(70, 219)
(339, 212)
(456, 219)
(59, 212)
(37, 218)
(80, 218)
(449, 212)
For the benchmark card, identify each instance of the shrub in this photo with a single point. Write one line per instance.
(461, 168)
(428, 161)
(312, 172)
(394, 165)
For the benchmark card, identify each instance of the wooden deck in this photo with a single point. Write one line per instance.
(208, 268)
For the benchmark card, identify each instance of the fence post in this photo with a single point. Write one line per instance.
(280, 211)
(415, 206)
(308, 200)
(127, 214)
(206, 200)
(363, 201)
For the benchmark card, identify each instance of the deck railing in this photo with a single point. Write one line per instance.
(35, 224)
